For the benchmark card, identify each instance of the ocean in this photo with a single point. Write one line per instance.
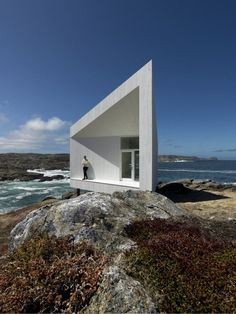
(222, 171)
(15, 194)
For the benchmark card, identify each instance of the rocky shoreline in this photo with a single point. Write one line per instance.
(101, 220)
(205, 199)
(14, 166)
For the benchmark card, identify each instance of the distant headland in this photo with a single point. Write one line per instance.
(183, 158)
(13, 166)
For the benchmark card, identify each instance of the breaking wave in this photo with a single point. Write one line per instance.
(18, 194)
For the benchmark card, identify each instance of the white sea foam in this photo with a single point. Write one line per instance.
(4, 198)
(22, 196)
(8, 210)
(15, 195)
(65, 180)
(183, 160)
(28, 188)
(50, 173)
(231, 183)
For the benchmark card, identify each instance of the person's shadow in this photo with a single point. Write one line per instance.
(90, 172)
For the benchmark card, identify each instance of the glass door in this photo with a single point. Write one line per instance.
(136, 165)
(127, 165)
(130, 165)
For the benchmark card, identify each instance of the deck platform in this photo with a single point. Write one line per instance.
(106, 186)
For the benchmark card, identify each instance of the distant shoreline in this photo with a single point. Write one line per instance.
(180, 158)
(14, 166)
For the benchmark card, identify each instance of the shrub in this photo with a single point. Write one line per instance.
(184, 269)
(49, 275)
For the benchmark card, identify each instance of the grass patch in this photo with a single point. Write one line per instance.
(49, 275)
(184, 269)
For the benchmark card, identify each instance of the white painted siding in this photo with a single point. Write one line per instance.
(103, 154)
(127, 111)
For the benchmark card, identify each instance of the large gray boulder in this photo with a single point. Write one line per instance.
(97, 217)
(100, 219)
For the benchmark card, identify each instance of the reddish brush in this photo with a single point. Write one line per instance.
(192, 271)
(49, 275)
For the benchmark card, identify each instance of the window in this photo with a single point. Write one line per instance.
(129, 143)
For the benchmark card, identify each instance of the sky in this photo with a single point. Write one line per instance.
(59, 58)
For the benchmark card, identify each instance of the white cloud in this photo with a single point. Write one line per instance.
(36, 134)
(62, 140)
(37, 124)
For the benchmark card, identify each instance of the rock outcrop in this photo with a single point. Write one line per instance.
(100, 219)
(119, 293)
(193, 190)
(14, 166)
(97, 217)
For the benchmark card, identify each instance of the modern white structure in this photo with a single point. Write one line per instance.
(119, 138)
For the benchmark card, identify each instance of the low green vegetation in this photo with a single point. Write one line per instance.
(182, 267)
(49, 275)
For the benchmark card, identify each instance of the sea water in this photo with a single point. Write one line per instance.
(17, 194)
(222, 171)
(14, 195)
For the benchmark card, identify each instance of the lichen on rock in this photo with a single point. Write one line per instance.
(96, 217)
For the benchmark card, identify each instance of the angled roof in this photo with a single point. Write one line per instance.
(119, 112)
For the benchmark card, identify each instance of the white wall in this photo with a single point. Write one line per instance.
(127, 111)
(147, 130)
(103, 154)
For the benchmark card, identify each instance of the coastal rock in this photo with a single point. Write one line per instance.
(185, 186)
(19, 175)
(33, 161)
(48, 198)
(191, 190)
(100, 219)
(14, 166)
(56, 177)
(119, 293)
(96, 217)
(69, 195)
(173, 187)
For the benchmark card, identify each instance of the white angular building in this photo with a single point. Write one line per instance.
(119, 138)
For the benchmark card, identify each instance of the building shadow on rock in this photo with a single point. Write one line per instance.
(179, 193)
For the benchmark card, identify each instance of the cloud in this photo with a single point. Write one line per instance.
(37, 124)
(225, 150)
(61, 140)
(3, 118)
(37, 134)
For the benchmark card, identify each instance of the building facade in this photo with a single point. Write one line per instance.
(119, 138)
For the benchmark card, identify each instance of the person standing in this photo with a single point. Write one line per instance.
(85, 164)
